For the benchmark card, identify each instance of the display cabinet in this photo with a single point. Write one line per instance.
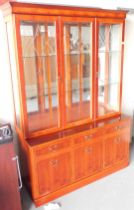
(66, 65)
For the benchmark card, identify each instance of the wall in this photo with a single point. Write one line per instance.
(128, 73)
(6, 102)
(6, 99)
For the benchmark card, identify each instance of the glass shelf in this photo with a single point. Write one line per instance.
(111, 51)
(78, 53)
(109, 62)
(40, 56)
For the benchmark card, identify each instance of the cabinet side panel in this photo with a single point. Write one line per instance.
(27, 166)
(13, 67)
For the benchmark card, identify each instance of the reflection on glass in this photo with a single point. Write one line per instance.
(109, 65)
(39, 63)
(77, 52)
(29, 63)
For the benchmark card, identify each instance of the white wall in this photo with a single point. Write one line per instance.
(6, 103)
(6, 99)
(128, 73)
(111, 4)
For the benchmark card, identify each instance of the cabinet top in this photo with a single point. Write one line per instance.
(16, 7)
(78, 130)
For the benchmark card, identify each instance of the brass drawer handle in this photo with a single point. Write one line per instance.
(89, 149)
(118, 140)
(118, 127)
(53, 148)
(88, 137)
(54, 162)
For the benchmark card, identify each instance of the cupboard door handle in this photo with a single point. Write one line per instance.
(118, 140)
(88, 150)
(118, 127)
(54, 162)
(20, 181)
(88, 137)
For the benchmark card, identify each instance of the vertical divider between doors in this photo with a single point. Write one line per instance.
(68, 67)
(61, 73)
(49, 71)
(95, 70)
(80, 68)
(107, 35)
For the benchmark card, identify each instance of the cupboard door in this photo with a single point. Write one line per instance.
(109, 152)
(77, 44)
(116, 149)
(122, 147)
(40, 69)
(54, 173)
(88, 160)
(110, 38)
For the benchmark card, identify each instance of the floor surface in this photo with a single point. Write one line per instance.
(114, 192)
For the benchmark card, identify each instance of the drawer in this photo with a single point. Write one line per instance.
(118, 126)
(53, 148)
(88, 136)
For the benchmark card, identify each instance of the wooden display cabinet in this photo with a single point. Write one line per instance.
(67, 67)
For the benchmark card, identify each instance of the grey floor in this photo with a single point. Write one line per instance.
(114, 192)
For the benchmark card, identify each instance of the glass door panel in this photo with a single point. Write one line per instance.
(78, 67)
(40, 71)
(109, 66)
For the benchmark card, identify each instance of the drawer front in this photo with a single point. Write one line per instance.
(98, 132)
(118, 126)
(53, 148)
(87, 137)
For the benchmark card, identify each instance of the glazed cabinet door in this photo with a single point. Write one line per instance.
(77, 45)
(88, 160)
(37, 45)
(109, 66)
(116, 149)
(53, 173)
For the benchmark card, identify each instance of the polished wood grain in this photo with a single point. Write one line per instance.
(71, 144)
(89, 154)
(11, 6)
(68, 74)
(9, 186)
(97, 155)
(52, 196)
(65, 10)
(88, 160)
(56, 173)
(65, 116)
